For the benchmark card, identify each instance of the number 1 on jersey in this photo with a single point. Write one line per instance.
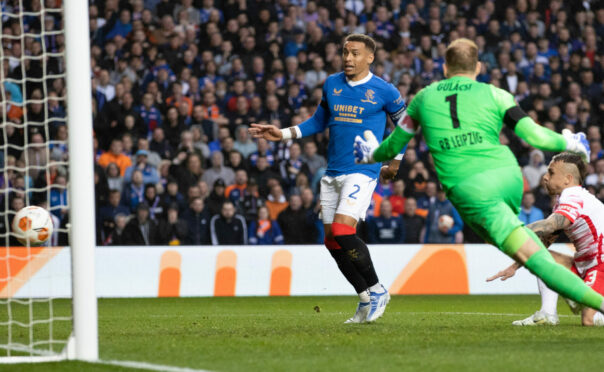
(452, 99)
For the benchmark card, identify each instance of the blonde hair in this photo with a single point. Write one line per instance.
(461, 56)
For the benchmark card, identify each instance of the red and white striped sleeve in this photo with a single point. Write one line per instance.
(570, 205)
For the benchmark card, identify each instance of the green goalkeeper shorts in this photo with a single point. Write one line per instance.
(490, 202)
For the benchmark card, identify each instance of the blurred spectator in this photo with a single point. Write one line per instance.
(216, 198)
(116, 235)
(419, 181)
(211, 114)
(35, 157)
(397, 198)
(274, 111)
(276, 201)
(251, 201)
(596, 178)
(141, 230)
(134, 193)
(157, 209)
(228, 228)
(115, 155)
(412, 221)
(263, 151)
(173, 127)
(313, 209)
(385, 229)
(59, 205)
(197, 218)
(159, 144)
(264, 230)
(528, 212)
(292, 167)
(58, 150)
(296, 227)
(262, 173)
(149, 172)
(149, 113)
(122, 26)
(153, 158)
(312, 159)
(236, 191)
(108, 213)
(218, 171)
(428, 199)
(535, 169)
(172, 229)
(187, 169)
(172, 195)
(240, 115)
(244, 143)
(437, 233)
(236, 161)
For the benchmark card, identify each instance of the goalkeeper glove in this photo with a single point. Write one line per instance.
(577, 143)
(364, 148)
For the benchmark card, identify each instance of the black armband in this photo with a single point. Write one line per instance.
(397, 116)
(513, 115)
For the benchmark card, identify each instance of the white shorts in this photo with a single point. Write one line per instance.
(348, 194)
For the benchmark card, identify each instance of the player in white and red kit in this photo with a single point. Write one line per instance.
(581, 216)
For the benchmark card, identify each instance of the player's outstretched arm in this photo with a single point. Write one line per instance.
(266, 131)
(506, 273)
(547, 231)
(536, 135)
(548, 140)
(272, 133)
(367, 150)
(397, 140)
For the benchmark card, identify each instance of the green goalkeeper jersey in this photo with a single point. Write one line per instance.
(461, 120)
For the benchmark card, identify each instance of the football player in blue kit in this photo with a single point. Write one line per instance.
(353, 101)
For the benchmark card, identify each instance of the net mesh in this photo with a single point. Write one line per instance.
(33, 171)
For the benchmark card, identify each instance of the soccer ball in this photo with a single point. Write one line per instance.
(445, 221)
(32, 226)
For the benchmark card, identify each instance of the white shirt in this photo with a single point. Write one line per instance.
(586, 215)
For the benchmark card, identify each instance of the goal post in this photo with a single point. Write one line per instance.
(81, 179)
(45, 65)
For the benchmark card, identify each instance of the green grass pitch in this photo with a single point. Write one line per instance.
(432, 333)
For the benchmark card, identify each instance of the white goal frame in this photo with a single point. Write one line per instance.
(81, 179)
(83, 343)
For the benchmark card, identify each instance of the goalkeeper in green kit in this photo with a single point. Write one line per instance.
(461, 120)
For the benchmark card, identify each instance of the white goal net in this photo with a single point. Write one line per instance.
(35, 169)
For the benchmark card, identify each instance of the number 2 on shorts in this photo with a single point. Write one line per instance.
(353, 194)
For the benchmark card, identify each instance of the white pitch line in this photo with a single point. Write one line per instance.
(472, 313)
(147, 366)
(257, 315)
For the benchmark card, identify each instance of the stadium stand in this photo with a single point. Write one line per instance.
(176, 83)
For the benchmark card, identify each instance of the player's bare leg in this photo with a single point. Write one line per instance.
(343, 230)
(526, 248)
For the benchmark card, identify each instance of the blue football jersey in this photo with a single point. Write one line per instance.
(348, 109)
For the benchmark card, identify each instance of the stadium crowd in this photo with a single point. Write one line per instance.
(175, 85)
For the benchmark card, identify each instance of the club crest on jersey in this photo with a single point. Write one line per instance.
(336, 92)
(369, 97)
